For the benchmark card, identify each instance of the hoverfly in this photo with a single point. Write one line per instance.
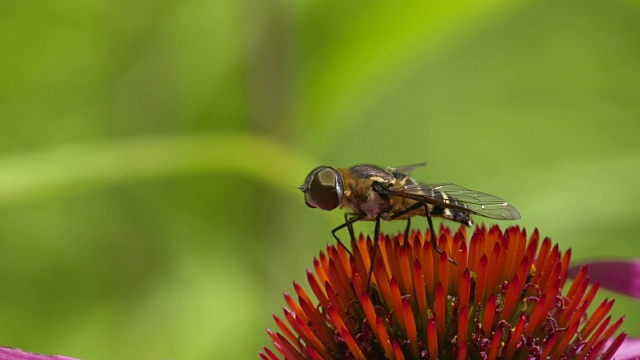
(371, 193)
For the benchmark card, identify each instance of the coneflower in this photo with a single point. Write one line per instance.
(506, 299)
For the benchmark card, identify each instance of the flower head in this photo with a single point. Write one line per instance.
(506, 299)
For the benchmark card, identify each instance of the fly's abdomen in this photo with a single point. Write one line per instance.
(451, 214)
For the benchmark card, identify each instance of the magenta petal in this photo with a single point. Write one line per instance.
(621, 276)
(17, 354)
(630, 349)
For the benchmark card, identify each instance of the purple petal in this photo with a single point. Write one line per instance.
(630, 349)
(621, 276)
(17, 354)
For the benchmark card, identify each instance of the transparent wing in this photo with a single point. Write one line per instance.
(407, 169)
(456, 197)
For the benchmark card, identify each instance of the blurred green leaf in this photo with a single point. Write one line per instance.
(349, 48)
(68, 168)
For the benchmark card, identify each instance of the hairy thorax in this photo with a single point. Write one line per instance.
(361, 198)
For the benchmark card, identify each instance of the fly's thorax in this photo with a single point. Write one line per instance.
(359, 194)
(372, 172)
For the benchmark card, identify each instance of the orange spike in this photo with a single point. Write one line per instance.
(404, 271)
(382, 252)
(285, 329)
(511, 299)
(444, 240)
(335, 302)
(458, 271)
(550, 270)
(502, 263)
(523, 273)
(362, 247)
(384, 338)
(455, 246)
(283, 346)
(548, 345)
(397, 351)
(411, 251)
(341, 281)
(465, 289)
(311, 339)
(601, 311)
(564, 340)
(552, 292)
(614, 346)
(511, 250)
(475, 250)
(318, 291)
(356, 281)
(302, 295)
(322, 276)
(575, 300)
(536, 315)
(351, 344)
(496, 343)
(462, 351)
(269, 355)
(532, 247)
(463, 231)
(522, 247)
(383, 281)
(291, 319)
(428, 270)
(336, 282)
(392, 257)
(360, 264)
(443, 271)
(316, 322)
(372, 317)
(314, 354)
(343, 257)
(293, 305)
(492, 270)
(397, 302)
(418, 251)
(489, 315)
(463, 325)
(608, 333)
(595, 353)
(566, 258)
(588, 346)
(542, 258)
(421, 295)
(440, 309)
(481, 280)
(410, 326)
(515, 337)
(577, 282)
(432, 339)
(588, 298)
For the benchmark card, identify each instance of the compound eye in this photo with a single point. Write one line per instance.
(325, 188)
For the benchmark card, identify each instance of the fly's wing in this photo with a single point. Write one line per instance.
(407, 169)
(456, 197)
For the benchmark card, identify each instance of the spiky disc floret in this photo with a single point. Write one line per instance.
(504, 300)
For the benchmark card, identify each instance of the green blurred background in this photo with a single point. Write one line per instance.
(150, 150)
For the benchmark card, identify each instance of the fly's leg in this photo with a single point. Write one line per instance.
(429, 220)
(407, 229)
(349, 227)
(376, 234)
(433, 234)
(348, 223)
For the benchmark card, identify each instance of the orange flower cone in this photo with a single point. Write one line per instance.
(506, 299)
